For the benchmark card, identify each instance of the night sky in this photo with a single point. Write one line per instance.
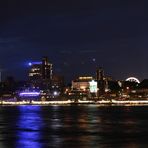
(77, 36)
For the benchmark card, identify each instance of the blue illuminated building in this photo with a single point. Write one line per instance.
(29, 94)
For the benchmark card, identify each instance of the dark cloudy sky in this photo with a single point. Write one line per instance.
(76, 35)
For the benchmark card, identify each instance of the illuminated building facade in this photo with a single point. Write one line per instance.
(82, 83)
(40, 73)
(84, 87)
(35, 72)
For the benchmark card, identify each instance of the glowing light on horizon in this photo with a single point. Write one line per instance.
(133, 79)
(31, 94)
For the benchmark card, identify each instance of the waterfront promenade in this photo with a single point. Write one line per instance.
(101, 102)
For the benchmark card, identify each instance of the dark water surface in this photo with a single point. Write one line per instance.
(73, 126)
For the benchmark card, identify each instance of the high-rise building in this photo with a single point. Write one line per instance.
(100, 81)
(40, 73)
(46, 69)
(100, 74)
(35, 71)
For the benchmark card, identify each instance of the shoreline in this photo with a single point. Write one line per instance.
(79, 102)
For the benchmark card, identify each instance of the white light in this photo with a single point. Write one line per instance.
(30, 64)
(55, 93)
(133, 79)
(93, 86)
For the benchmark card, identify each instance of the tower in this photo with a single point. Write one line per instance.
(46, 69)
(100, 81)
(35, 71)
(40, 73)
(100, 74)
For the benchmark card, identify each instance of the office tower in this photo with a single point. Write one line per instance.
(100, 81)
(40, 73)
(35, 71)
(46, 69)
(100, 74)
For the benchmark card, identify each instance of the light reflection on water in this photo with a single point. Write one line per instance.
(73, 126)
(29, 126)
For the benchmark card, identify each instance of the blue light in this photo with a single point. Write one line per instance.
(29, 132)
(34, 63)
(30, 64)
(29, 94)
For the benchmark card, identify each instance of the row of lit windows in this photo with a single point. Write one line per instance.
(33, 74)
(85, 78)
(35, 69)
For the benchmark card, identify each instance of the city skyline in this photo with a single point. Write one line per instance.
(37, 65)
(73, 73)
(77, 36)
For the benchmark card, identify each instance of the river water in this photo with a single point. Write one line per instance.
(83, 126)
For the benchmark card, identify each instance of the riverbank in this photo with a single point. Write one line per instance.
(101, 102)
